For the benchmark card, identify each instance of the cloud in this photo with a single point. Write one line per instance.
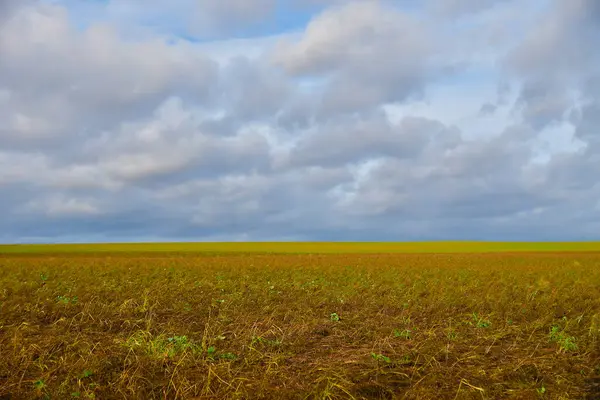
(219, 17)
(197, 19)
(354, 140)
(175, 121)
(463, 7)
(59, 81)
(557, 69)
(344, 45)
(59, 207)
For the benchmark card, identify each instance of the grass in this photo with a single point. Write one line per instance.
(299, 326)
(304, 247)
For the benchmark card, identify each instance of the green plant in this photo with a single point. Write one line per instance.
(480, 322)
(228, 356)
(404, 334)
(216, 302)
(39, 384)
(381, 358)
(86, 373)
(178, 344)
(270, 342)
(160, 346)
(334, 317)
(541, 390)
(564, 341)
(406, 359)
(211, 352)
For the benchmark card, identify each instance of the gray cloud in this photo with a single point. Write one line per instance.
(559, 73)
(543, 102)
(9, 7)
(354, 140)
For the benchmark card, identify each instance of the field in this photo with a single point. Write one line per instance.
(305, 247)
(298, 321)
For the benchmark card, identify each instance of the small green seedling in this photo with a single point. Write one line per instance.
(541, 390)
(480, 322)
(565, 342)
(177, 344)
(39, 384)
(86, 373)
(179, 341)
(211, 352)
(404, 334)
(334, 317)
(228, 356)
(270, 342)
(381, 358)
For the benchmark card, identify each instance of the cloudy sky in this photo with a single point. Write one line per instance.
(131, 120)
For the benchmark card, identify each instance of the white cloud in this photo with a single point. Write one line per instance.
(73, 80)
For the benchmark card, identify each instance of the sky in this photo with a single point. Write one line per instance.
(307, 120)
